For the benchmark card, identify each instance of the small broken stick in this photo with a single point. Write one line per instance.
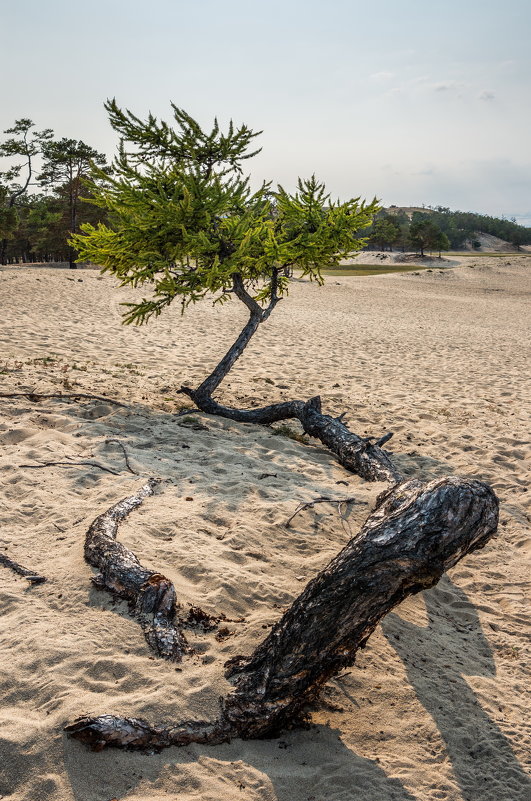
(339, 502)
(151, 595)
(126, 457)
(29, 575)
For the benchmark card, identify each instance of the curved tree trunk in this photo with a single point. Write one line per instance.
(359, 455)
(151, 595)
(416, 532)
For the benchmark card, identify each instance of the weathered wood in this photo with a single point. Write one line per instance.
(109, 731)
(416, 532)
(29, 575)
(151, 595)
(356, 454)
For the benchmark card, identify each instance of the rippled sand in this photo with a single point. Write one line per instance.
(435, 707)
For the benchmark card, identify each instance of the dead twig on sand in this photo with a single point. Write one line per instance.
(35, 396)
(126, 457)
(340, 503)
(72, 464)
(29, 575)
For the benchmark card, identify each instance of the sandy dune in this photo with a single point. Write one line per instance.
(435, 707)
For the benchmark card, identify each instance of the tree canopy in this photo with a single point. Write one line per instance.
(184, 219)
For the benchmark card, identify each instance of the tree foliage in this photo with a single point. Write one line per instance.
(424, 234)
(20, 149)
(385, 232)
(35, 226)
(184, 219)
(462, 227)
(66, 163)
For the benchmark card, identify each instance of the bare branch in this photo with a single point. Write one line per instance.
(71, 464)
(127, 463)
(243, 295)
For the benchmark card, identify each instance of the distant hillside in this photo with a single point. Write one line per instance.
(464, 229)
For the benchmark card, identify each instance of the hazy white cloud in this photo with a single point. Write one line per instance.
(381, 77)
(487, 96)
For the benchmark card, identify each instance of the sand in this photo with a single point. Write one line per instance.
(435, 707)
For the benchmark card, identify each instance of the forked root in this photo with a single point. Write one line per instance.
(417, 532)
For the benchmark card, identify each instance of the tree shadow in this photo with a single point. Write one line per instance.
(435, 657)
(308, 765)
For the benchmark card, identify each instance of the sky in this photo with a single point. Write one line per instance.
(412, 102)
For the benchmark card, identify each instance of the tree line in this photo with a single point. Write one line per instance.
(41, 189)
(43, 194)
(440, 229)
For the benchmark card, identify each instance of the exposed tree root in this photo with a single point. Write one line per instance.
(29, 575)
(360, 456)
(417, 531)
(151, 595)
(109, 731)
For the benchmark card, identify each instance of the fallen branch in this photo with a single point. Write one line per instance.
(29, 575)
(36, 396)
(416, 532)
(151, 595)
(72, 464)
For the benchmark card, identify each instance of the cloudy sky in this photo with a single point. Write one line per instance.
(414, 101)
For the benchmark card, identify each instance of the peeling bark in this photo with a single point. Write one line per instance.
(151, 596)
(109, 731)
(417, 531)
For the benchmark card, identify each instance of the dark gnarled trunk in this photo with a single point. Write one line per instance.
(151, 595)
(417, 532)
(357, 454)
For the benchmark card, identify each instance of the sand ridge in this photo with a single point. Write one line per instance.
(435, 707)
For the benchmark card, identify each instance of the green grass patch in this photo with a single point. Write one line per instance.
(374, 269)
(287, 431)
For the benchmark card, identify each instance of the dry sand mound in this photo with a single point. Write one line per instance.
(435, 706)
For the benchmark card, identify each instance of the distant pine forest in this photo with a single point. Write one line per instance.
(45, 197)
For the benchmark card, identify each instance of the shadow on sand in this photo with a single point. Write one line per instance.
(435, 658)
(315, 765)
(312, 765)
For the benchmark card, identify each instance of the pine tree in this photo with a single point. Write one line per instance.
(65, 164)
(424, 234)
(186, 223)
(21, 148)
